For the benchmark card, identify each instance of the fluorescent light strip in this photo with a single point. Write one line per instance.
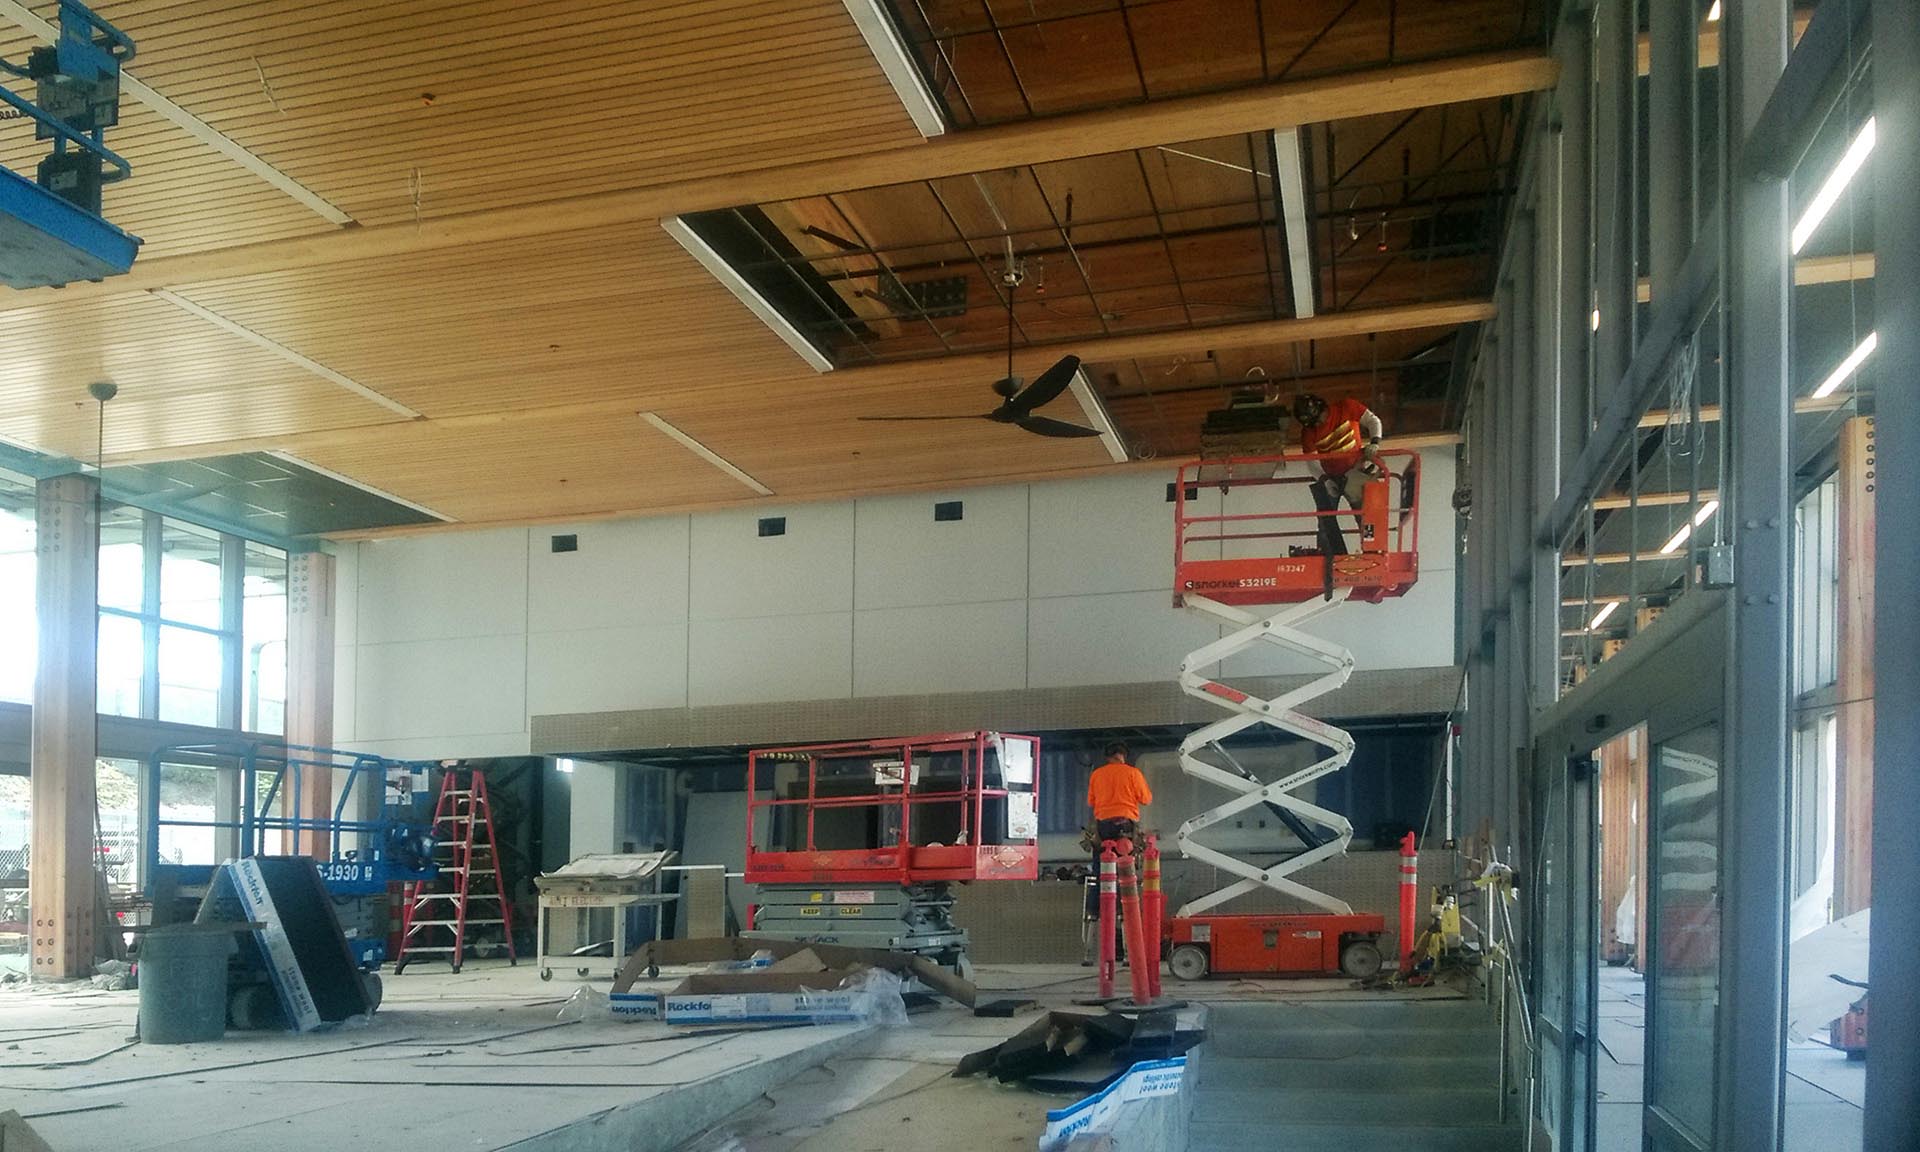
(745, 293)
(1829, 194)
(705, 453)
(883, 40)
(1686, 530)
(1847, 367)
(1289, 177)
(1713, 13)
(367, 488)
(1600, 617)
(282, 351)
(1096, 413)
(194, 126)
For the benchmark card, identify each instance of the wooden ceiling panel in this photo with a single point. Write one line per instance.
(554, 466)
(487, 103)
(527, 323)
(182, 381)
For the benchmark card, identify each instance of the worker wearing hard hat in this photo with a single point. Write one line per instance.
(1346, 435)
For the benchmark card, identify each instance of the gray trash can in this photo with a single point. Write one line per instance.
(183, 984)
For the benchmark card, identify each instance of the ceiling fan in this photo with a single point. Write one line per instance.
(1018, 405)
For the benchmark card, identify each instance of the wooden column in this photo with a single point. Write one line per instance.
(1853, 773)
(1623, 769)
(310, 612)
(63, 897)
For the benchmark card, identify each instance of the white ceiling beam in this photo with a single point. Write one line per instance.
(896, 60)
(1096, 413)
(746, 293)
(705, 453)
(283, 352)
(1290, 184)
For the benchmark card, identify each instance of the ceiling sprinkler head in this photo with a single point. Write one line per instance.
(103, 390)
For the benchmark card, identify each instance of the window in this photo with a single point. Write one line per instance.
(949, 510)
(193, 624)
(567, 543)
(773, 526)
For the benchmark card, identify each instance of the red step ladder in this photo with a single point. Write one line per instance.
(468, 893)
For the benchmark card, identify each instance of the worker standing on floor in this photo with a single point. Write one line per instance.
(1115, 792)
(1347, 433)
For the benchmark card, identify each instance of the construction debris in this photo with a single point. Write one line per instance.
(649, 958)
(1081, 1051)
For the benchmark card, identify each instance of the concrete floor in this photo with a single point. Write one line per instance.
(1825, 1090)
(476, 1061)
(479, 1061)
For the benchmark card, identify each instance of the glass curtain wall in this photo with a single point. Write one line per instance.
(192, 624)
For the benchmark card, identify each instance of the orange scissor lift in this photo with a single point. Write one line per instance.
(1261, 551)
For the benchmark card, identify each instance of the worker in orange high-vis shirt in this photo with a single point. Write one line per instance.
(1115, 792)
(1346, 434)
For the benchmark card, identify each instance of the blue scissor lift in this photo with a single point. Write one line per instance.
(51, 229)
(379, 833)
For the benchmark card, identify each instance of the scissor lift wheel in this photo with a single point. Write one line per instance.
(1189, 962)
(1361, 959)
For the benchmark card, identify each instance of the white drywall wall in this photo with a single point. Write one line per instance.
(449, 643)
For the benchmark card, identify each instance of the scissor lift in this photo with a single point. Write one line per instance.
(1267, 556)
(860, 843)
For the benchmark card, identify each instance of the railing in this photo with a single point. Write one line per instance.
(995, 767)
(272, 815)
(1291, 565)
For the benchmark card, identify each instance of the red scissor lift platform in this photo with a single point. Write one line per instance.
(1263, 548)
(860, 842)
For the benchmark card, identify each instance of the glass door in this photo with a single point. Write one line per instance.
(1684, 933)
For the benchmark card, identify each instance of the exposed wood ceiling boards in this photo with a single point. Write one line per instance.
(534, 469)
(1088, 134)
(183, 381)
(757, 377)
(520, 324)
(599, 95)
(1008, 63)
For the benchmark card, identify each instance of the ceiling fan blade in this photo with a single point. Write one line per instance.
(1059, 429)
(1048, 385)
(895, 419)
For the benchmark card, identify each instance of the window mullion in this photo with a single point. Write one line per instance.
(233, 569)
(150, 616)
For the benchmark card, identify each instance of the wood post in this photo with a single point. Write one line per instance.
(1853, 772)
(1623, 772)
(310, 612)
(64, 895)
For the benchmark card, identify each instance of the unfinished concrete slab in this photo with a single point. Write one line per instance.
(475, 1061)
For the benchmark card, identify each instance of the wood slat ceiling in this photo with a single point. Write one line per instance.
(482, 104)
(183, 380)
(530, 350)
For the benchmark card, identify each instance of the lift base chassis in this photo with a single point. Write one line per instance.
(1279, 944)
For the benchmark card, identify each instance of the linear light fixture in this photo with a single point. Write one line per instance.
(1290, 185)
(1686, 530)
(1713, 13)
(1848, 366)
(1096, 413)
(1829, 194)
(705, 453)
(190, 124)
(369, 489)
(1600, 617)
(745, 293)
(270, 345)
(883, 40)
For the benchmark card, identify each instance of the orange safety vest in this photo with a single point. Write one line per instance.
(1339, 434)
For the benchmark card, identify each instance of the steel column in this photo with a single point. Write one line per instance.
(310, 644)
(1893, 1062)
(1754, 880)
(1671, 79)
